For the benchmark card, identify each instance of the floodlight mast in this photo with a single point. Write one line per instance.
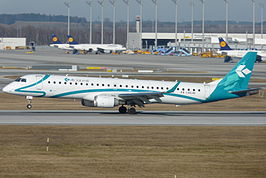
(100, 2)
(67, 4)
(90, 18)
(203, 24)
(176, 19)
(226, 20)
(112, 2)
(156, 23)
(127, 3)
(253, 16)
(192, 20)
(140, 2)
(261, 19)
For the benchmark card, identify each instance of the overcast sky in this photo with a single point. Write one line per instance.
(239, 10)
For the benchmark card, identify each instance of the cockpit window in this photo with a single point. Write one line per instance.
(20, 80)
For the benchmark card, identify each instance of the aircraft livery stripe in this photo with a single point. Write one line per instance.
(34, 84)
(122, 90)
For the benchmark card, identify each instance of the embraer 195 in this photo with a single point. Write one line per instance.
(111, 92)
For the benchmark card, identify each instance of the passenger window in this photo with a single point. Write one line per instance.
(199, 90)
(65, 83)
(167, 88)
(183, 89)
(92, 84)
(76, 83)
(132, 86)
(70, 83)
(59, 82)
(87, 84)
(49, 82)
(194, 90)
(114, 85)
(157, 88)
(103, 85)
(151, 87)
(108, 85)
(121, 86)
(188, 89)
(54, 82)
(97, 84)
(81, 83)
(177, 89)
(162, 88)
(148, 87)
(137, 86)
(142, 86)
(126, 86)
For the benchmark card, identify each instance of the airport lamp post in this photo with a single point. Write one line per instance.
(261, 19)
(127, 3)
(226, 19)
(140, 2)
(101, 4)
(156, 23)
(192, 20)
(253, 15)
(90, 18)
(67, 4)
(176, 19)
(112, 2)
(203, 23)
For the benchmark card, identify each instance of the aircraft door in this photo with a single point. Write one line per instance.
(39, 85)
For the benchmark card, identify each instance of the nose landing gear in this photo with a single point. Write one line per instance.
(29, 99)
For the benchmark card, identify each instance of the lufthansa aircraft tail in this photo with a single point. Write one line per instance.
(70, 40)
(235, 83)
(55, 39)
(224, 45)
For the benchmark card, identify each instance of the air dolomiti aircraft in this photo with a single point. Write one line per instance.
(110, 92)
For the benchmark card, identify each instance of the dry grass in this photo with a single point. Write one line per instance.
(251, 103)
(119, 152)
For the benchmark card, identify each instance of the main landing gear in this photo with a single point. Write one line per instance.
(29, 99)
(124, 110)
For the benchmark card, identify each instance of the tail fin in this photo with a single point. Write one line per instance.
(236, 80)
(55, 39)
(70, 40)
(224, 45)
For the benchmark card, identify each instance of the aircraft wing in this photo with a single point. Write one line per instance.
(141, 98)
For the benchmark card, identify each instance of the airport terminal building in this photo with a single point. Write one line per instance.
(194, 42)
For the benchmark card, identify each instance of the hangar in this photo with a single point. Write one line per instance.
(12, 43)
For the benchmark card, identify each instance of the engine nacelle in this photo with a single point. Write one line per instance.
(101, 101)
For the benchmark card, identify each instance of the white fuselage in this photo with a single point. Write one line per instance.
(87, 88)
(97, 47)
(241, 53)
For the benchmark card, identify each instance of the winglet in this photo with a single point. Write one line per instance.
(174, 88)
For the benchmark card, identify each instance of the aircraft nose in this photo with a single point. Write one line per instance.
(7, 89)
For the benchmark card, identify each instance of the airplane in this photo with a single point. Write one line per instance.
(239, 53)
(98, 48)
(58, 44)
(112, 92)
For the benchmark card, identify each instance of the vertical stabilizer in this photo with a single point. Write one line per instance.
(237, 79)
(224, 45)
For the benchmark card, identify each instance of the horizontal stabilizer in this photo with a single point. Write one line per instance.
(251, 91)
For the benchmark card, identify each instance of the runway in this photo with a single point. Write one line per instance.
(145, 118)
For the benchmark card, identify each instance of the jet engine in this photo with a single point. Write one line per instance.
(101, 101)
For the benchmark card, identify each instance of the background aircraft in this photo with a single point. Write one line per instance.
(110, 92)
(239, 53)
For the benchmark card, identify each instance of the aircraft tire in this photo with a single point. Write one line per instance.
(29, 106)
(122, 110)
(132, 111)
